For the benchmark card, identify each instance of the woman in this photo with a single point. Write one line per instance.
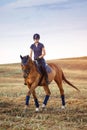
(39, 52)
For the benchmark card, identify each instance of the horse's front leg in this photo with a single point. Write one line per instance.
(36, 101)
(27, 98)
(47, 91)
(32, 91)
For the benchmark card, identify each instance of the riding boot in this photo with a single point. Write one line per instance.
(46, 77)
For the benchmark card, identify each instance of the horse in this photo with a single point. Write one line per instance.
(33, 78)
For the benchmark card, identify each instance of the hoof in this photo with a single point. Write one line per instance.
(62, 107)
(37, 110)
(43, 106)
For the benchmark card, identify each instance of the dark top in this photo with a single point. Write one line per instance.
(37, 49)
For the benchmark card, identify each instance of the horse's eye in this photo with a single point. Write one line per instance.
(22, 66)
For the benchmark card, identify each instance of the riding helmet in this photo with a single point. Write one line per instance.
(36, 36)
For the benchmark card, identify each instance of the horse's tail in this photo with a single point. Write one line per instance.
(68, 82)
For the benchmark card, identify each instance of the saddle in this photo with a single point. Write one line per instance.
(40, 70)
(43, 72)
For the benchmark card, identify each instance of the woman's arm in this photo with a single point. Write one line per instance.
(31, 53)
(43, 53)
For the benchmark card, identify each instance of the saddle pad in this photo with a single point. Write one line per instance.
(48, 68)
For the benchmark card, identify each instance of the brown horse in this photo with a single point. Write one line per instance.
(33, 78)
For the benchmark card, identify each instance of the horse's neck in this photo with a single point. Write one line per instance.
(32, 66)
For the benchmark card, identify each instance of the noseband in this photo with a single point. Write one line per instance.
(26, 71)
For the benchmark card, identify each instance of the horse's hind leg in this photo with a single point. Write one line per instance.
(47, 91)
(61, 92)
(36, 101)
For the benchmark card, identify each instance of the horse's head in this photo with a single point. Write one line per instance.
(25, 64)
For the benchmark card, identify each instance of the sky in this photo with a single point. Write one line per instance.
(62, 25)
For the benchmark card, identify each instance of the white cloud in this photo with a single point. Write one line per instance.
(33, 3)
(30, 3)
(38, 2)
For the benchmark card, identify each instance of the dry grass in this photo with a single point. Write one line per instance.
(13, 92)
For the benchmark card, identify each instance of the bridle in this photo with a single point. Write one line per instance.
(25, 64)
(26, 71)
(27, 68)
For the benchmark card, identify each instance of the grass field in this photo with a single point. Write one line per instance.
(13, 92)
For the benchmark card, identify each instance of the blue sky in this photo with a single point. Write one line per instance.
(62, 25)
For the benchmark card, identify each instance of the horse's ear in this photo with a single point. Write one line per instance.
(21, 57)
(27, 56)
